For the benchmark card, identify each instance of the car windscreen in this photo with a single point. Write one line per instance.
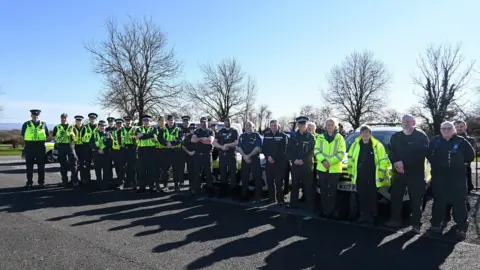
(383, 136)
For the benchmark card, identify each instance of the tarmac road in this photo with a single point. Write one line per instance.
(56, 228)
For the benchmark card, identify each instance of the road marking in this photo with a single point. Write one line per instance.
(307, 218)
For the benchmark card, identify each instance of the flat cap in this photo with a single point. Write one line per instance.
(302, 119)
(93, 115)
(78, 117)
(35, 112)
(186, 117)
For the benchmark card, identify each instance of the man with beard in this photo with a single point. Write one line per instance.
(171, 138)
(226, 142)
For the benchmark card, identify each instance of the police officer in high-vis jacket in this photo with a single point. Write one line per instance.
(79, 147)
(130, 150)
(447, 155)
(147, 154)
(101, 144)
(87, 139)
(117, 154)
(368, 164)
(35, 134)
(171, 138)
(300, 154)
(64, 137)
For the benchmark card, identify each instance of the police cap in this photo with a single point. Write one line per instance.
(35, 112)
(110, 119)
(119, 120)
(127, 118)
(192, 126)
(302, 119)
(78, 117)
(203, 119)
(93, 115)
(146, 117)
(187, 118)
(102, 123)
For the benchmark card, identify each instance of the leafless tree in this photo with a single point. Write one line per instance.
(388, 116)
(225, 91)
(445, 75)
(317, 115)
(188, 110)
(284, 122)
(139, 67)
(264, 115)
(357, 87)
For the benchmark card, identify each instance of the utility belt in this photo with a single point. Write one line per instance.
(203, 154)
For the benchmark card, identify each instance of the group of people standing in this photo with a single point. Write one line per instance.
(143, 156)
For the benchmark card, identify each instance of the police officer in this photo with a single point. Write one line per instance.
(250, 146)
(329, 152)
(186, 125)
(130, 151)
(147, 141)
(160, 154)
(111, 124)
(79, 147)
(300, 152)
(226, 141)
(274, 149)
(64, 137)
(35, 133)
(117, 153)
(88, 141)
(203, 139)
(101, 145)
(189, 149)
(461, 128)
(448, 155)
(171, 138)
(408, 150)
(312, 128)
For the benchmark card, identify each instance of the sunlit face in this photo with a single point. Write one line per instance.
(227, 123)
(170, 122)
(63, 120)
(203, 124)
(78, 122)
(248, 127)
(311, 128)
(408, 123)
(302, 127)
(101, 128)
(366, 135)
(35, 117)
(92, 120)
(461, 128)
(118, 125)
(447, 131)
(110, 122)
(274, 126)
(161, 122)
(128, 123)
(330, 126)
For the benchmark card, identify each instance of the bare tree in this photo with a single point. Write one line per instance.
(284, 122)
(389, 116)
(317, 115)
(357, 87)
(225, 90)
(444, 78)
(263, 116)
(140, 69)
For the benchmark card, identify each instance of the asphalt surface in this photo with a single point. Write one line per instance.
(55, 228)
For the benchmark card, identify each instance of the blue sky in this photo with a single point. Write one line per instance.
(288, 46)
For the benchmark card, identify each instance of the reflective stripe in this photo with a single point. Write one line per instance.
(381, 170)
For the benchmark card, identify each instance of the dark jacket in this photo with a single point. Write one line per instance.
(410, 149)
(449, 157)
(300, 146)
(275, 145)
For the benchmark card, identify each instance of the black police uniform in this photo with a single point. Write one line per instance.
(248, 142)
(300, 146)
(117, 154)
(203, 161)
(35, 151)
(147, 158)
(110, 129)
(188, 146)
(275, 146)
(468, 166)
(66, 153)
(79, 148)
(411, 150)
(186, 129)
(130, 151)
(102, 161)
(172, 157)
(227, 159)
(447, 159)
(85, 174)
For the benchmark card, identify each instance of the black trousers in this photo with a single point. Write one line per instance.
(118, 158)
(147, 161)
(275, 175)
(288, 170)
(190, 167)
(367, 195)
(87, 161)
(68, 161)
(173, 158)
(415, 182)
(35, 154)
(469, 177)
(162, 175)
(449, 190)
(328, 183)
(228, 169)
(255, 169)
(302, 173)
(130, 162)
(203, 165)
(103, 173)
(80, 152)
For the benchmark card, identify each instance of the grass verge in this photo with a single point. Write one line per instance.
(7, 150)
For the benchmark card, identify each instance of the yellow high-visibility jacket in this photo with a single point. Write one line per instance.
(333, 152)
